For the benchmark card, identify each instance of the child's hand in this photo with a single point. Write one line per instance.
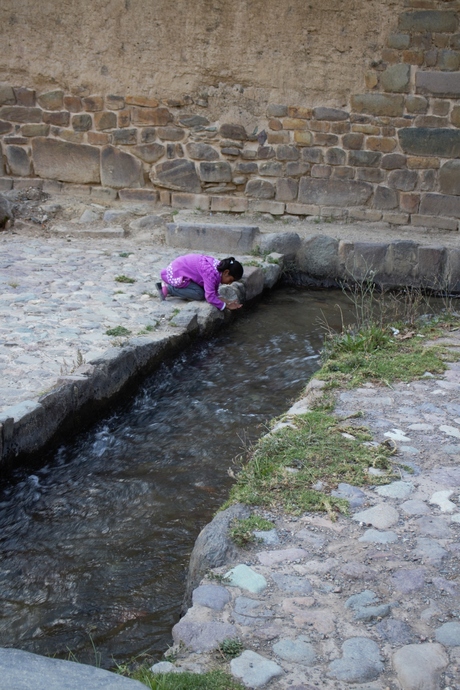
(234, 305)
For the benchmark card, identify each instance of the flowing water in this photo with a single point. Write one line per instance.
(95, 542)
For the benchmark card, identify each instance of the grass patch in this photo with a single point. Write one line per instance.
(118, 332)
(380, 354)
(242, 531)
(213, 680)
(286, 464)
(231, 648)
(124, 279)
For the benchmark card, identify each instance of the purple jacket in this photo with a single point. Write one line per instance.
(199, 268)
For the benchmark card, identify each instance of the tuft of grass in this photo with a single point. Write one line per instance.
(231, 648)
(287, 463)
(375, 353)
(118, 332)
(124, 279)
(124, 255)
(242, 531)
(213, 680)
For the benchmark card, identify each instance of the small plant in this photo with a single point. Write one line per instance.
(231, 648)
(124, 279)
(148, 329)
(124, 255)
(119, 292)
(242, 531)
(118, 332)
(213, 680)
(13, 284)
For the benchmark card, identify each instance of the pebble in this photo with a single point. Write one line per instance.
(361, 661)
(449, 634)
(419, 667)
(395, 490)
(243, 576)
(254, 669)
(380, 516)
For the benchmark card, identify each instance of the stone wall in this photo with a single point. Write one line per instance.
(390, 153)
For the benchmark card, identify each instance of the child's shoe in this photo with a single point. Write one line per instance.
(162, 291)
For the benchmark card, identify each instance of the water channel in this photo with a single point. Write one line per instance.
(95, 540)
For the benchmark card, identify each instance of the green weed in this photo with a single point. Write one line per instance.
(242, 531)
(124, 279)
(231, 648)
(124, 255)
(213, 680)
(118, 332)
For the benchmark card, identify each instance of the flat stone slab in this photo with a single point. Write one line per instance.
(374, 536)
(395, 490)
(360, 662)
(415, 507)
(449, 634)
(441, 499)
(409, 580)
(281, 556)
(243, 576)
(419, 666)
(202, 637)
(212, 237)
(381, 516)
(254, 670)
(299, 651)
(86, 231)
(213, 596)
(25, 671)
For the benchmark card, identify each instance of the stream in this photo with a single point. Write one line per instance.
(95, 539)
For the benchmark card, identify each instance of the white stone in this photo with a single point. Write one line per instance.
(395, 490)
(450, 430)
(254, 670)
(243, 576)
(397, 435)
(381, 516)
(441, 499)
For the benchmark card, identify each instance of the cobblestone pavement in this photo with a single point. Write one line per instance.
(59, 296)
(371, 601)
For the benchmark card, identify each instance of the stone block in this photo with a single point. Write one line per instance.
(382, 144)
(401, 265)
(18, 161)
(82, 122)
(124, 117)
(284, 243)
(385, 198)
(120, 169)
(368, 214)
(73, 104)
(97, 138)
(254, 281)
(393, 161)
(59, 160)
(24, 96)
(286, 189)
(142, 101)
(297, 209)
(178, 175)
(275, 125)
(431, 266)
(265, 152)
(445, 84)
(271, 169)
(114, 102)
(233, 131)
(438, 21)
(378, 104)
(396, 78)
(275, 110)
(58, 118)
(274, 138)
(367, 159)
(301, 112)
(212, 237)
(455, 116)
(19, 113)
(191, 201)
(230, 204)
(105, 120)
(334, 192)
(321, 171)
(261, 189)
(416, 104)
(398, 41)
(366, 261)
(440, 204)
(171, 133)
(287, 153)
(374, 175)
(438, 222)
(318, 257)
(202, 152)
(296, 169)
(431, 121)
(422, 162)
(344, 172)
(335, 156)
(149, 153)
(448, 60)
(93, 103)
(320, 139)
(395, 218)
(303, 138)
(353, 140)
(6, 183)
(440, 107)
(404, 180)
(140, 195)
(430, 142)
(124, 137)
(246, 168)
(409, 202)
(294, 123)
(5, 127)
(51, 100)
(7, 95)
(151, 116)
(449, 178)
(452, 272)
(103, 194)
(330, 114)
(38, 130)
(275, 208)
(219, 171)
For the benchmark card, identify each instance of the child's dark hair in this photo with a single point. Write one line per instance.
(232, 265)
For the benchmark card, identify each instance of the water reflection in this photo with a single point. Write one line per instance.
(95, 542)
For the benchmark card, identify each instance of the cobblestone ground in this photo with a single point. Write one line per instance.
(371, 601)
(59, 296)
